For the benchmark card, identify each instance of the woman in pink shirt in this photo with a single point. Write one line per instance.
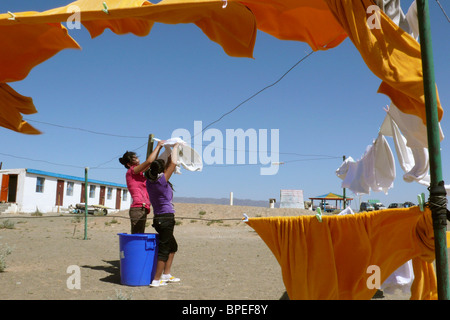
(136, 184)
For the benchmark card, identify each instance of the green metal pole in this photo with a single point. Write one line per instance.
(85, 201)
(437, 198)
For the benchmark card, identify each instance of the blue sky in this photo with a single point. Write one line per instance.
(325, 108)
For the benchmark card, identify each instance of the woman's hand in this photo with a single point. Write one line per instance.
(160, 143)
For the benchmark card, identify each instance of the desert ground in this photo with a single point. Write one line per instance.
(219, 257)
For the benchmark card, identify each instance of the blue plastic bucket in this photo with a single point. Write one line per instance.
(138, 258)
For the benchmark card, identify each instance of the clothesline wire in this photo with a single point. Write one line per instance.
(210, 124)
(443, 11)
(325, 157)
(240, 104)
(85, 130)
(113, 216)
(257, 93)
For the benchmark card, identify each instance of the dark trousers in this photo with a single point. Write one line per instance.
(164, 225)
(138, 218)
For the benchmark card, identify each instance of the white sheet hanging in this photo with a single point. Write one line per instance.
(374, 171)
(413, 160)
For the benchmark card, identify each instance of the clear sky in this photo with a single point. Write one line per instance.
(324, 108)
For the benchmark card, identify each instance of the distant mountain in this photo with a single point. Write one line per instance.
(236, 202)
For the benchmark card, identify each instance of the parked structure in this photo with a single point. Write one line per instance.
(30, 190)
(330, 196)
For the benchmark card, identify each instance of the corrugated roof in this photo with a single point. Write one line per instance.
(68, 177)
(331, 196)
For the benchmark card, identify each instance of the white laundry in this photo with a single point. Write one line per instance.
(394, 11)
(413, 160)
(409, 22)
(346, 211)
(374, 171)
(412, 128)
(354, 178)
(402, 279)
(383, 171)
(188, 158)
(413, 21)
(341, 172)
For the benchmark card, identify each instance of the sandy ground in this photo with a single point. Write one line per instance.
(220, 260)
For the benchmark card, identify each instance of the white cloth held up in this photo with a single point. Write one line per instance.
(188, 158)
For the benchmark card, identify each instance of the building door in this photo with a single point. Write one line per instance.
(118, 198)
(83, 196)
(12, 188)
(102, 196)
(59, 192)
(4, 190)
(8, 188)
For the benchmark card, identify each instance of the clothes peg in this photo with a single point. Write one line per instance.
(105, 8)
(421, 200)
(13, 16)
(319, 214)
(245, 218)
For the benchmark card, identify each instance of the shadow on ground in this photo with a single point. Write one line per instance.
(112, 267)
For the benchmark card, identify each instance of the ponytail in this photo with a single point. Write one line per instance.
(156, 168)
(126, 158)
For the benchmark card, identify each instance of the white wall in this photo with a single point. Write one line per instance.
(34, 201)
(29, 201)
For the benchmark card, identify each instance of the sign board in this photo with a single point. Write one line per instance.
(292, 199)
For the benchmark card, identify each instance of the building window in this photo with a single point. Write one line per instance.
(69, 191)
(40, 185)
(109, 193)
(91, 191)
(124, 195)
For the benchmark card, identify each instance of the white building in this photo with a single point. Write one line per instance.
(30, 190)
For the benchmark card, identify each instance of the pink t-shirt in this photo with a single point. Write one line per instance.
(136, 184)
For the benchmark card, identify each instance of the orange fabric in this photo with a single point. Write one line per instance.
(330, 260)
(308, 21)
(233, 27)
(25, 46)
(34, 37)
(424, 286)
(12, 105)
(389, 52)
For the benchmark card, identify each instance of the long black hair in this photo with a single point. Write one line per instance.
(127, 158)
(158, 166)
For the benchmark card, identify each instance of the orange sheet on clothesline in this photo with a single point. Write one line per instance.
(29, 38)
(330, 260)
